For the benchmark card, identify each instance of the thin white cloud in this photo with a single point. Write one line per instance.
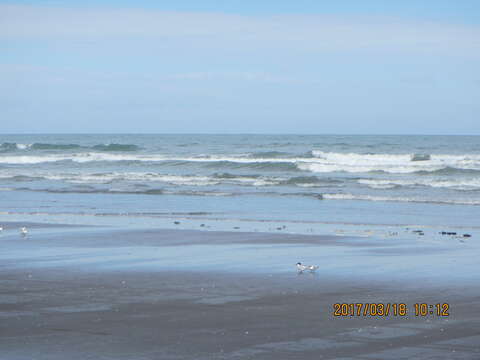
(309, 33)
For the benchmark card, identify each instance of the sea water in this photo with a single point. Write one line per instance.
(293, 183)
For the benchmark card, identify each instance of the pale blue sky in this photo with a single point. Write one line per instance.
(394, 67)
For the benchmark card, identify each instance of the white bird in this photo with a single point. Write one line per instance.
(301, 268)
(1, 228)
(24, 231)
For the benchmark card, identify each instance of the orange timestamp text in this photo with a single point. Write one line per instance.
(390, 309)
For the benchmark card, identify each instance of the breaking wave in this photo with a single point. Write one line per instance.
(7, 146)
(322, 162)
(147, 177)
(390, 163)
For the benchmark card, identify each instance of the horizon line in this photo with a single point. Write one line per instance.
(239, 133)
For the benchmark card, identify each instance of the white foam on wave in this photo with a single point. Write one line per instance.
(399, 199)
(23, 146)
(322, 162)
(105, 178)
(17, 146)
(457, 184)
(92, 157)
(78, 157)
(389, 163)
(29, 159)
(134, 176)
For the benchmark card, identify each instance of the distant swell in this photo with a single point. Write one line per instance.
(254, 165)
(116, 147)
(42, 146)
(420, 157)
(11, 147)
(232, 176)
(449, 171)
(268, 154)
(311, 181)
(303, 180)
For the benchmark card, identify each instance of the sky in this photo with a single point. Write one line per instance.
(271, 66)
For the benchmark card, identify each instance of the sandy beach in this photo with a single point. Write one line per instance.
(100, 293)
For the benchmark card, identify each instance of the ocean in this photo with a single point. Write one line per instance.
(291, 183)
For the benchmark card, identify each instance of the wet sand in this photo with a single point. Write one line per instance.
(166, 294)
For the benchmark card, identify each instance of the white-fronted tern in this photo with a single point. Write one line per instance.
(301, 268)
